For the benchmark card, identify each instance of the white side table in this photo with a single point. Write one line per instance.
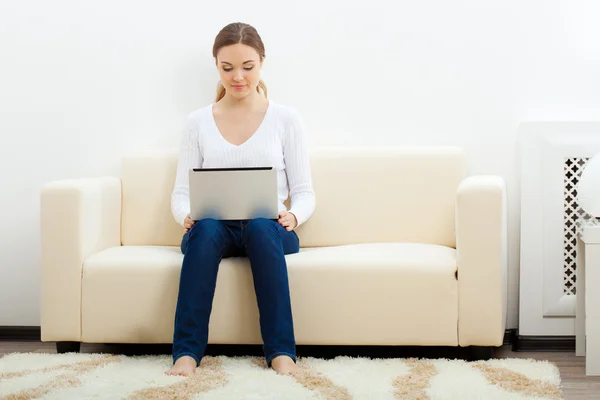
(587, 319)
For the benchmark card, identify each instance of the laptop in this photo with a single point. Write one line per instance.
(233, 193)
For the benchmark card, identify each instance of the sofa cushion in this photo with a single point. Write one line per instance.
(379, 293)
(363, 195)
(373, 195)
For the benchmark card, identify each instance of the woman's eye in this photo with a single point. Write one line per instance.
(231, 69)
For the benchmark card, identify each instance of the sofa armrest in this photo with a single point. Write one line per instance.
(481, 229)
(78, 218)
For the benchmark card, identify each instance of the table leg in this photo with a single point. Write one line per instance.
(580, 310)
(592, 309)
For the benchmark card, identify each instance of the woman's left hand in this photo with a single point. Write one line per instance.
(287, 220)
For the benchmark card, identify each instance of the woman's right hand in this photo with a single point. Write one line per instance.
(188, 223)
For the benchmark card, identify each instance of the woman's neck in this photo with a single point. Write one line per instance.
(250, 102)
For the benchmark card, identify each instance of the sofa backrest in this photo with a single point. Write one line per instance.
(363, 195)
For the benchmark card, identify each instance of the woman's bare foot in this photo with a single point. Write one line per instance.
(184, 366)
(284, 365)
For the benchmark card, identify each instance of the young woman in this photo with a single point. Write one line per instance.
(242, 128)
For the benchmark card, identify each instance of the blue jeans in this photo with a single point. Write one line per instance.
(265, 243)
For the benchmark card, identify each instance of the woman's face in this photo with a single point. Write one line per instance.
(239, 68)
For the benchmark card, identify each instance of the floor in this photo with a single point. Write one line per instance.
(572, 369)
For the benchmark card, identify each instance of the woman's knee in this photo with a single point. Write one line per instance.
(261, 225)
(259, 232)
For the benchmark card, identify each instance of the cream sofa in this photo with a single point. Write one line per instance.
(403, 249)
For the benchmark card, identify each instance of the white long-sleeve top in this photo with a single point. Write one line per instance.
(279, 142)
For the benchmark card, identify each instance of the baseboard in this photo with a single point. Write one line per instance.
(20, 333)
(508, 335)
(542, 343)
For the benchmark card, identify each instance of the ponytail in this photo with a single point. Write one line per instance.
(220, 92)
(262, 86)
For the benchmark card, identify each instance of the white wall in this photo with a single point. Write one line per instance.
(81, 83)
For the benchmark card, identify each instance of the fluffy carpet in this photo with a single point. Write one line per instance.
(105, 376)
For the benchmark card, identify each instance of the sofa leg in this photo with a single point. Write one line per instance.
(68, 347)
(481, 353)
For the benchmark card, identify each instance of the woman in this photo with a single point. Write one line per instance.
(242, 128)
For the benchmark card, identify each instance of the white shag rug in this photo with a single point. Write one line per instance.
(105, 376)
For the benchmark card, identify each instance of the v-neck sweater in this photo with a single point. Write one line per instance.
(279, 142)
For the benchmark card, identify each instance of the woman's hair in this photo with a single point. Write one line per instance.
(234, 33)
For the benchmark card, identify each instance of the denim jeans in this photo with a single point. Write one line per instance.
(265, 243)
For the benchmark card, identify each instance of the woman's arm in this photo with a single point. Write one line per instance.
(190, 156)
(297, 167)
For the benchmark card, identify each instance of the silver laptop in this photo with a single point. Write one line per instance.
(233, 193)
